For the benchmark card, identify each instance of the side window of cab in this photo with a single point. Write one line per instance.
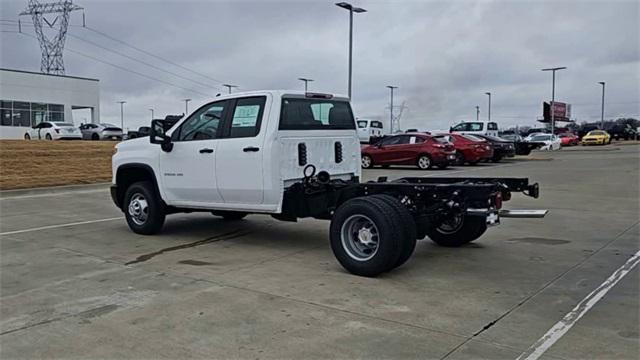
(204, 124)
(461, 127)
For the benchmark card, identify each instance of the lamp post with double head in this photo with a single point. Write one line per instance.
(352, 9)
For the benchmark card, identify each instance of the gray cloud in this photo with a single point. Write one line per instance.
(442, 54)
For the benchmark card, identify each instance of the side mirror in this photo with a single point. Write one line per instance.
(157, 135)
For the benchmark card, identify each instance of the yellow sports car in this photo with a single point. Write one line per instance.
(596, 137)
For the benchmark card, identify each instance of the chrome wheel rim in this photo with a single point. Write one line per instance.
(138, 209)
(360, 237)
(452, 225)
(366, 161)
(424, 162)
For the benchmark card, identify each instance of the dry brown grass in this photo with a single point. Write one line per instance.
(28, 164)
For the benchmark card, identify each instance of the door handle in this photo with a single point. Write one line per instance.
(251, 149)
(206, 151)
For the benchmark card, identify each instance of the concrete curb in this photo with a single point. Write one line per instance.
(53, 189)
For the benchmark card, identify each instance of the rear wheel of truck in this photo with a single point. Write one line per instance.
(142, 208)
(364, 236)
(408, 227)
(458, 230)
(230, 215)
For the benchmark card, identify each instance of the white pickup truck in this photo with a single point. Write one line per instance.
(295, 155)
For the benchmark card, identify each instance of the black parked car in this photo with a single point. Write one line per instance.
(522, 147)
(501, 147)
(622, 131)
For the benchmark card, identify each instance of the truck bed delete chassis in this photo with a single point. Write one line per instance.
(427, 198)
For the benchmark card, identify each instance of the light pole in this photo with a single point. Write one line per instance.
(553, 96)
(186, 106)
(477, 113)
(305, 82)
(390, 87)
(229, 86)
(122, 114)
(151, 113)
(489, 109)
(602, 111)
(351, 9)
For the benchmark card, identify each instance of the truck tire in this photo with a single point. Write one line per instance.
(364, 236)
(408, 228)
(460, 231)
(143, 209)
(230, 215)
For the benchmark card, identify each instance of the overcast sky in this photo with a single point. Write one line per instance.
(443, 55)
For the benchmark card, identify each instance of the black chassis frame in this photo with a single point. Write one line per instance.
(429, 199)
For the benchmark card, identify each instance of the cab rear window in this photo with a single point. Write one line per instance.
(315, 114)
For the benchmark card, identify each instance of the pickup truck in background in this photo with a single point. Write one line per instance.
(291, 155)
(141, 132)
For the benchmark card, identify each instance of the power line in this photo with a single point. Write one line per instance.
(150, 54)
(133, 47)
(142, 62)
(128, 70)
(135, 59)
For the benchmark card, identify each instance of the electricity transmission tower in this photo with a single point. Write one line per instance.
(53, 45)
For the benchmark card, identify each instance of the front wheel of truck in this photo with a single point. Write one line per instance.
(366, 236)
(142, 208)
(458, 230)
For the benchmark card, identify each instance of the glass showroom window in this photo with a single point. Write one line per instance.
(5, 117)
(22, 113)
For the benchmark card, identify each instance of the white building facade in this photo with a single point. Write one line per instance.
(28, 98)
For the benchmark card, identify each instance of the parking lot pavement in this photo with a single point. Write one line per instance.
(75, 282)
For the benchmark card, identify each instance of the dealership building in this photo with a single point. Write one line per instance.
(28, 98)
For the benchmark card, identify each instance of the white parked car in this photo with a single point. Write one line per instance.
(48, 130)
(476, 128)
(551, 142)
(368, 129)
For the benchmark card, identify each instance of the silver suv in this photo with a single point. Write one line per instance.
(100, 132)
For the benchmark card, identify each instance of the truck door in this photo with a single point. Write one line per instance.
(239, 156)
(188, 170)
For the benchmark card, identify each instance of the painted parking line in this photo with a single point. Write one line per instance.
(60, 226)
(561, 327)
(53, 194)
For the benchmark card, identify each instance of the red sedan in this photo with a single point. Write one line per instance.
(469, 149)
(568, 139)
(417, 149)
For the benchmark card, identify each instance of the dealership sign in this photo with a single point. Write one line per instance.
(561, 111)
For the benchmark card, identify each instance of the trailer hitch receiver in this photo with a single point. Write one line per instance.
(533, 190)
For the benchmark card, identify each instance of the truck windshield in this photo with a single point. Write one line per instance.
(315, 114)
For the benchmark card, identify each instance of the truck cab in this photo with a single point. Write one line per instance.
(476, 127)
(239, 152)
(369, 129)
